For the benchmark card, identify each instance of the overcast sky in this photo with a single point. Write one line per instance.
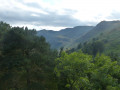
(58, 14)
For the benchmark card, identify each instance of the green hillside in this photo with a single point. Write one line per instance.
(65, 37)
(111, 40)
(106, 32)
(102, 27)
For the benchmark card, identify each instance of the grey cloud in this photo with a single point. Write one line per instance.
(51, 19)
(33, 4)
(114, 15)
(54, 19)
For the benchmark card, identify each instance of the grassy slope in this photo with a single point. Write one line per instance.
(102, 27)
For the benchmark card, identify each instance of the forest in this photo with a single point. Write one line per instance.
(27, 62)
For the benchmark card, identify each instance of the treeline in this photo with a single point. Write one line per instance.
(28, 63)
(95, 46)
(92, 48)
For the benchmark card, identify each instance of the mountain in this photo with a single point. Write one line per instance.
(64, 37)
(111, 40)
(100, 28)
(107, 32)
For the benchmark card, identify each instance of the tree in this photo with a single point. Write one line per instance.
(79, 46)
(27, 61)
(93, 48)
(81, 71)
(75, 68)
(106, 74)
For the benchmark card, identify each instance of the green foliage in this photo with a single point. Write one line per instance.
(75, 68)
(93, 48)
(81, 71)
(26, 61)
(105, 74)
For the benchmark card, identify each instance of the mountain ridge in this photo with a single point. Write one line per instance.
(102, 27)
(71, 37)
(65, 36)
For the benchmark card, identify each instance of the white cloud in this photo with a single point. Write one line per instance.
(35, 15)
(76, 12)
(32, 26)
(92, 10)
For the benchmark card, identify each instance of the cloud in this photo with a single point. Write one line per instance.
(32, 13)
(50, 19)
(115, 15)
(57, 13)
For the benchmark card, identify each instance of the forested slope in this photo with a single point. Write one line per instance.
(65, 37)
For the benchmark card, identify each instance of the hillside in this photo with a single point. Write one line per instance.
(107, 32)
(102, 27)
(64, 37)
(111, 40)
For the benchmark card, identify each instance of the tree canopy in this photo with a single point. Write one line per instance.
(26, 61)
(82, 72)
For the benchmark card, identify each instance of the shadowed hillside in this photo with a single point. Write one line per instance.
(64, 37)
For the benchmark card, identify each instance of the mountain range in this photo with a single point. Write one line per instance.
(106, 31)
(64, 37)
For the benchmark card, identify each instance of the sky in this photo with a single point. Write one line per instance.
(58, 14)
